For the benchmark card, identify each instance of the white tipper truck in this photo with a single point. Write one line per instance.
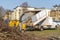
(42, 20)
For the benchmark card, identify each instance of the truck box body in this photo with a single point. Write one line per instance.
(48, 21)
(39, 16)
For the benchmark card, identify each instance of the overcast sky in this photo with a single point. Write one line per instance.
(10, 4)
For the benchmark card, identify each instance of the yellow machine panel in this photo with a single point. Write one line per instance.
(13, 23)
(23, 26)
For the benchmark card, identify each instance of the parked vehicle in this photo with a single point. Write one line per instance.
(41, 21)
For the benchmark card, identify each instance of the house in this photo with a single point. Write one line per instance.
(55, 13)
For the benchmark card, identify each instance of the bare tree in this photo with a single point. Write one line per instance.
(25, 4)
(2, 12)
(24, 8)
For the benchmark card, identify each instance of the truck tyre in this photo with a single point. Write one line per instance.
(56, 27)
(41, 28)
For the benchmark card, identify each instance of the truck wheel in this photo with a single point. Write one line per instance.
(56, 27)
(41, 29)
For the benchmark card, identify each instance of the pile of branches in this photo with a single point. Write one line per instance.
(7, 33)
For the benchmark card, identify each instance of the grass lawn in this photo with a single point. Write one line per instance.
(44, 33)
